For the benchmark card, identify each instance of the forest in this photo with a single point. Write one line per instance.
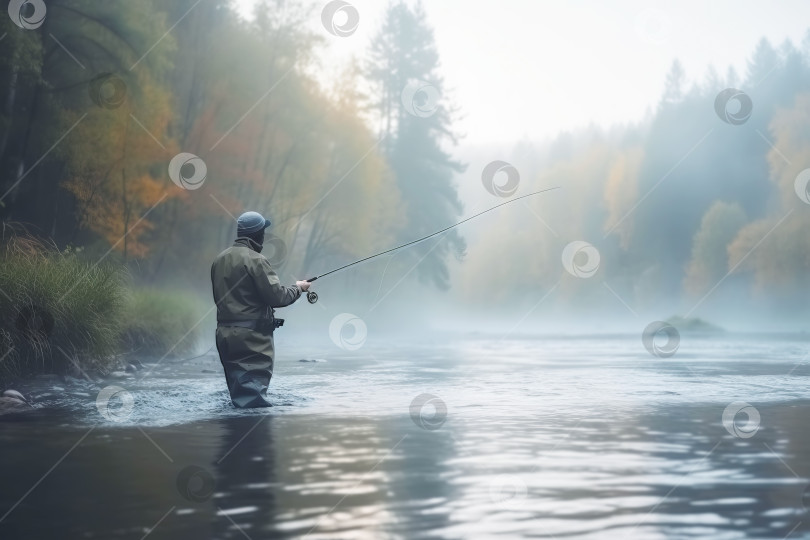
(127, 150)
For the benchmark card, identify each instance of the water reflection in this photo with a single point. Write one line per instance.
(539, 447)
(245, 478)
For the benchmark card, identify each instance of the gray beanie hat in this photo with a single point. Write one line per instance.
(251, 222)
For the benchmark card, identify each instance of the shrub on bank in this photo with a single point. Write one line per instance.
(57, 313)
(61, 314)
(159, 322)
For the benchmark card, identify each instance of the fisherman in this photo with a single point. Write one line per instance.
(246, 289)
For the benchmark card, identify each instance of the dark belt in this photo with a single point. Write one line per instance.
(243, 324)
(251, 323)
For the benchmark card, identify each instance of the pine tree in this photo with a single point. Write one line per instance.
(673, 89)
(415, 121)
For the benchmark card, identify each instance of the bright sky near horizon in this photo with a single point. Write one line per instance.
(528, 69)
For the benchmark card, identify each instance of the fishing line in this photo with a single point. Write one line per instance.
(312, 297)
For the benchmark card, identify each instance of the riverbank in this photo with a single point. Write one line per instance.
(64, 315)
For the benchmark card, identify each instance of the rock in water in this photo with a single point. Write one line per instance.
(13, 401)
(14, 394)
(9, 404)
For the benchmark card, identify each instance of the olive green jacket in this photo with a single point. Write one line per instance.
(245, 285)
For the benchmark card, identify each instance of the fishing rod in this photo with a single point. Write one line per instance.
(312, 296)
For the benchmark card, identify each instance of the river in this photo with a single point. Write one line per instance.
(458, 437)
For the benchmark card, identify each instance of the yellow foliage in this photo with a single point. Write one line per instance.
(776, 250)
(110, 158)
(621, 193)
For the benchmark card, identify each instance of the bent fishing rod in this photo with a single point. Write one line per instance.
(312, 296)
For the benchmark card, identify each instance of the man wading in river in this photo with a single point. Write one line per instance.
(246, 289)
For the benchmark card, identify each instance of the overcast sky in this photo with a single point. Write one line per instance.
(532, 68)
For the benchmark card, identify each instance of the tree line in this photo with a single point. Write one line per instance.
(698, 204)
(101, 100)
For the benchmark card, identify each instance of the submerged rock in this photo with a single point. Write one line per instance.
(13, 401)
(9, 404)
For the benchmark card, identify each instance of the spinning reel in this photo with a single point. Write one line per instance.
(312, 296)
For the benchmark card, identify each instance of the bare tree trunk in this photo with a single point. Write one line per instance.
(8, 109)
(124, 200)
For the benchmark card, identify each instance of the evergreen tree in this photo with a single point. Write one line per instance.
(415, 122)
(673, 89)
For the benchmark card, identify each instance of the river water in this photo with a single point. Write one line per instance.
(468, 437)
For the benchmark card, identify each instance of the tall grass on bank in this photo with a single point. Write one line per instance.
(56, 311)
